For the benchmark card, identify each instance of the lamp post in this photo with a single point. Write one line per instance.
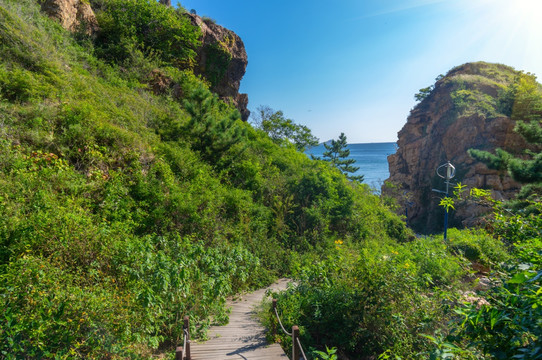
(447, 172)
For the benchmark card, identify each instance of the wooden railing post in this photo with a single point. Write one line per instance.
(179, 353)
(186, 326)
(295, 346)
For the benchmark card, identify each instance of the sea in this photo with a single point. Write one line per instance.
(371, 158)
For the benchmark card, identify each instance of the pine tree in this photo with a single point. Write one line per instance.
(214, 130)
(337, 153)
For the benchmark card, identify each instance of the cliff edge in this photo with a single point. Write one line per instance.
(222, 60)
(461, 111)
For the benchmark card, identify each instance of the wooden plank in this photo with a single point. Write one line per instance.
(244, 337)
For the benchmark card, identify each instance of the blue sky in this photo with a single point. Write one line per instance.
(353, 66)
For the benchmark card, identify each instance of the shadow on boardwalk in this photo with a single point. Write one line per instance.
(244, 336)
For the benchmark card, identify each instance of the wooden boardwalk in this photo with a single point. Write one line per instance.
(243, 337)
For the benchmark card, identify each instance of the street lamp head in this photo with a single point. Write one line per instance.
(450, 171)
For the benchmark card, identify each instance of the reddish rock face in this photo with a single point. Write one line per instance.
(73, 15)
(439, 130)
(222, 59)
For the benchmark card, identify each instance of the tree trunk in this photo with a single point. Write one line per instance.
(166, 2)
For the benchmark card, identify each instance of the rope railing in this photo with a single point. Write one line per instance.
(278, 318)
(301, 348)
(183, 352)
(297, 349)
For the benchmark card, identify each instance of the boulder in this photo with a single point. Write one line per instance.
(73, 15)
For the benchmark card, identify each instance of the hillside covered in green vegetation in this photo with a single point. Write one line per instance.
(124, 208)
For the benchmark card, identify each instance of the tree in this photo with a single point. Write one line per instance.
(337, 153)
(283, 131)
(213, 127)
(423, 93)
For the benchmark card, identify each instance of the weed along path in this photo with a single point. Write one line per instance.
(244, 336)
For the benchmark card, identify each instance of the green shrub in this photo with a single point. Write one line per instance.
(478, 246)
(149, 27)
(508, 324)
(435, 265)
(472, 100)
(218, 58)
(46, 313)
(504, 322)
(369, 299)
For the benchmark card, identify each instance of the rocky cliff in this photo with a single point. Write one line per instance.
(73, 15)
(460, 112)
(222, 60)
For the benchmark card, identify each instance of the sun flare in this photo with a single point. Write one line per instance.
(501, 29)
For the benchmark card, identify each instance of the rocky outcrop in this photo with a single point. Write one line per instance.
(160, 84)
(73, 15)
(222, 60)
(460, 113)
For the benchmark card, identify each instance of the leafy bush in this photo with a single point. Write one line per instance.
(508, 324)
(502, 321)
(372, 299)
(46, 313)
(218, 58)
(472, 100)
(478, 246)
(149, 27)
